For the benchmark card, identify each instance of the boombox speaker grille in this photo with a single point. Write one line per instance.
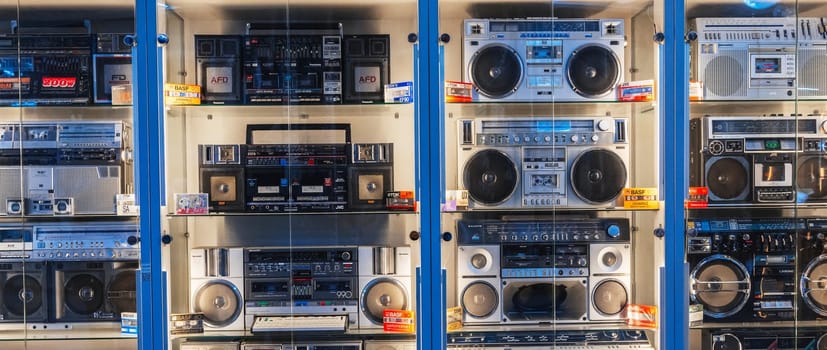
(490, 177)
(381, 294)
(593, 70)
(122, 292)
(598, 176)
(496, 71)
(814, 285)
(812, 78)
(726, 342)
(22, 294)
(727, 178)
(219, 301)
(610, 297)
(725, 76)
(722, 285)
(84, 294)
(811, 177)
(480, 299)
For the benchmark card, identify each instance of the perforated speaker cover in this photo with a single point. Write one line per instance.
(371, 186)
(811, 177)
(724, 76)
(598, 176)
(813, 71)
(496, 71)
(219, 301)
(727, 178)
(122, 292)
(222, 188)
(610, 297)
(22, 295)
(381, 294)
(480, 299)
(593, 70)
(84, 294)
(718, 286)
(490, 177)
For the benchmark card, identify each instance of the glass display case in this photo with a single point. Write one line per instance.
(290, 174)
(754, 218)
(551, 178)
(69, 223)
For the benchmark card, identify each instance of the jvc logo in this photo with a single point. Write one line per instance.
(58, 82)
(367, 79)
(118, 77)
(220, 80)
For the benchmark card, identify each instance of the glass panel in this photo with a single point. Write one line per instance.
(755, 228)
(552, 173)
(290, 185)
(71, 243)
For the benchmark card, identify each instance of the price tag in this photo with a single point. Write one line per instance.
(640, 198)
(698, 198)
(126, 205)
(454, 317)
(399, 321)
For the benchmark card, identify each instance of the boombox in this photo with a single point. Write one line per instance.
(775, 338)
(52, 69)
(86, 291)
(544, 60)
(555, 339)
(217, 287)
(769, 160)
(367, 68)
(64, 168)
(543, 162)
(358, 282)
(532, 272)
(303, 345)
(112, 65)
(778, 58)
(292, 69)
(218, 60)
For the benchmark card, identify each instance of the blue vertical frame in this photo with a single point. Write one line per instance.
(431, 319)
(148, 109)
(674, 104)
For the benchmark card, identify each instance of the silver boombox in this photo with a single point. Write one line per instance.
(543, 162)
(760, 58)
(543, 60)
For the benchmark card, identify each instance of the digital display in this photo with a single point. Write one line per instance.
(545, 52)
(772, 145)
(767, 65)
(772, 173)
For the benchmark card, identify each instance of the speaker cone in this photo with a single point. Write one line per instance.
(480, 299)
(726, 342)
(490, 177)
(122, 292)
(811, 177)
(814, 285)
(381, 294)
(721, 284)
(598, 176)
(496, 71)
(610, 297)
(593, 70)
(219, 301)
(727, 178)
(84, 294)
(822, 342)
(22, 295)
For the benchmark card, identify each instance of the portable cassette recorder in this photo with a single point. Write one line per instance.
(544, 60)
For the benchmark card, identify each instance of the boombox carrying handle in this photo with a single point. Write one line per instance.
(280, 27)
(252, 128)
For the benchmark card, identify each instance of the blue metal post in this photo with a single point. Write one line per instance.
(430, 326)
(674, 75)
(147, 104)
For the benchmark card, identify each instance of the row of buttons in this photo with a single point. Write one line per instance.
(544, 272)
(77, 244)
(505, 139)
(545, 237)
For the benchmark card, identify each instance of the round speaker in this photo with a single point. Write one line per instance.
(22, 295)
(381, 294)
(490, 177)
(610, 297)
(496, 71)
(610, 259)
(480, 299)
(219, 301)
(593, 70)
(811, 79)
(122, 293)
(726, 342)
(724, 76)
(84, 294)
(598, 176)
(821, 344)
(721, 284)
(811, 177)
(814, 285)
(727, 178)
(539, 297)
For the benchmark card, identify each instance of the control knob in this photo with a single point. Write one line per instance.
(605, 124)
(346, 256)
(613, 231)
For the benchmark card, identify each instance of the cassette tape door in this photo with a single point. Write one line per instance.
(72, 243)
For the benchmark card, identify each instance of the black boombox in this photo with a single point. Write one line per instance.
(292, 69)
(271, 178)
